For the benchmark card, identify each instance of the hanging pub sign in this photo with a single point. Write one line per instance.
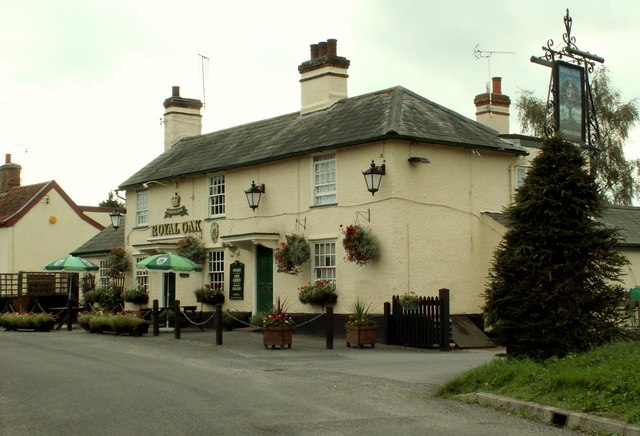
(236, 289)
(570, 101)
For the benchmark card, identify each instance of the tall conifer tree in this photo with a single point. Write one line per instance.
(554, 285)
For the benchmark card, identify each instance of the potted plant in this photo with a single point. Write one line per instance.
(277, 326)
(320, 292)
(361, 329)
(409, 300)
(292, 254)
(210, 294)
(131, 323)
(137, 296)
(360, 244)
(193, 249)
(38, 322)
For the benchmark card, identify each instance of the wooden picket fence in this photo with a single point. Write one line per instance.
(428, 325)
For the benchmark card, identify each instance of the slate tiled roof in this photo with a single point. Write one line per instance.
(391, 113)
(102, 242)
(624, 218)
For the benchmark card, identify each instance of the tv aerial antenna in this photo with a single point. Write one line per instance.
(479, 54)
(204, 69)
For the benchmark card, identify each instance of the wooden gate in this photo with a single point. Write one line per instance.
(426, 326)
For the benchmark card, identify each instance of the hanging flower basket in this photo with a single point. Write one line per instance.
(320, 292)
(292, 254)
(360, 244)
(193, 249)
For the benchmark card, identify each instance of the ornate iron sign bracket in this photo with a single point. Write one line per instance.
(573, 59)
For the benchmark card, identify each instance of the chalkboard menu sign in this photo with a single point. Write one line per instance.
(236, 290)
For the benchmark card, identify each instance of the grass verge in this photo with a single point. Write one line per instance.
(604, 381)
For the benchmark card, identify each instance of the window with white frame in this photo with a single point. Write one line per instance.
(215, 263)
(216, 196)
(324, 260)
(520, 174)
(142, 208)
(324, 180)
(104, 277)
(142, 275)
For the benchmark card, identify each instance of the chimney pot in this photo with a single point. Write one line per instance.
(323, 48)
(496, 85)
(7, 158)
(314, 51)
(332, 47)
(175, 91)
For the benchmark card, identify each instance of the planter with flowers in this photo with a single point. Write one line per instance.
(193, 249)
(320, 292)
(137, 296)
(360, 244)
(131, 323)
(277, 326)
(361, 329)
(38, 322)
(292, 254)
(210, 294)
(409, 300)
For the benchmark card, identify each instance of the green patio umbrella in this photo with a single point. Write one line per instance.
(71, 263)
(168, 262)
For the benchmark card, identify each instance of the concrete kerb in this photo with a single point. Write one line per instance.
(553, 415)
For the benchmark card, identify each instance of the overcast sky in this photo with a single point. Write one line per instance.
(82, 82)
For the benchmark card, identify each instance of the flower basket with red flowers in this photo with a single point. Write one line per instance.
(360, 244)
(320, 292)
(277, 326)
(292, 254)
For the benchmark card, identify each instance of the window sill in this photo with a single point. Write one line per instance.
(318, 206)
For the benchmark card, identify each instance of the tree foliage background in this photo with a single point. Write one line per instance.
(616, 176)
(112, 202)
(554, 284)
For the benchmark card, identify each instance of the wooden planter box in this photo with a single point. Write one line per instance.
(277, 337)
(361, 335)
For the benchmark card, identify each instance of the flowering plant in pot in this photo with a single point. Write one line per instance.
(292, 254)
(320, 292)
(409, 300)
(277, 326)
(210, 294)
(136, 296)
(193, 249)
(361, 329)
(360, 244)
(39, 322)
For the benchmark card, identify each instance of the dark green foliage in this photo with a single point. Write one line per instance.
(554, 283)
(112, 202)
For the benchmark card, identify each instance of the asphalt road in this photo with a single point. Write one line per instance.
(63, 383)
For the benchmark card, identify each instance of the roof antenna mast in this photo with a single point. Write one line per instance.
(487, 54)
(204, 69)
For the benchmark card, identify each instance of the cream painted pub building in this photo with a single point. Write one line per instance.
(443, 172)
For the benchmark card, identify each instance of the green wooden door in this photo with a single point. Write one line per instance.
(264, 267)
(169, 291)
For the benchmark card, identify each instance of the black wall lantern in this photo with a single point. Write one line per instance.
(116, 218)
(373, 176)
(253, 195)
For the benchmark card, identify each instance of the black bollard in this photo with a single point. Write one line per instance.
(218, 321)
(69, 317)
(330, 328)
(176, 309)
(154, 318)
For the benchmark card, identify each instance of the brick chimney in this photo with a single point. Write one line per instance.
(181, 118)
(9, 174)
(323, 78)
(492, 107)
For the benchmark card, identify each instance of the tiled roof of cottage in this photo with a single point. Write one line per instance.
(394, 113)
(624, 218)
(15, 200)
(102, 242)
